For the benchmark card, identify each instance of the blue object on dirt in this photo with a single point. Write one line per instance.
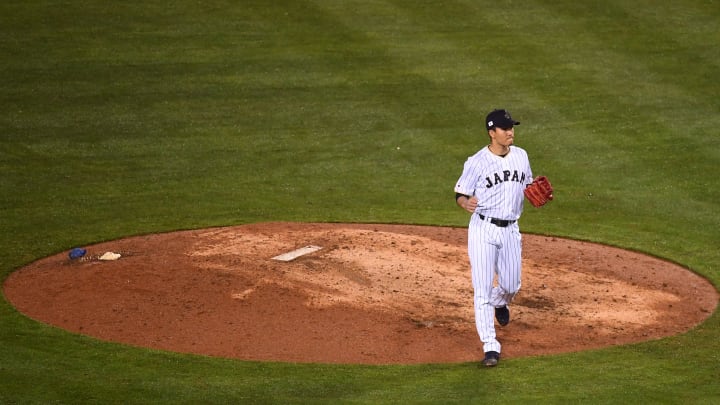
(77, 253)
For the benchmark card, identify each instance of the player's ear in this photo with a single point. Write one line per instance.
(491, 132)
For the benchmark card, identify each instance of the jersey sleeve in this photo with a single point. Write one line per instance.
(529, 178)
(468, 179)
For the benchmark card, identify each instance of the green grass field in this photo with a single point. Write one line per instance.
(135, 117)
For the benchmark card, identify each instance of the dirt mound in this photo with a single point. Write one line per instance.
(373, 294)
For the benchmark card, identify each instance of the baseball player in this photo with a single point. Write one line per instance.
(491, 188)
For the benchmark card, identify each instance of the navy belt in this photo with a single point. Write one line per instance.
(502, 223)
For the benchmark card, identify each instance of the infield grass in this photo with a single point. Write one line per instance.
(138, 117)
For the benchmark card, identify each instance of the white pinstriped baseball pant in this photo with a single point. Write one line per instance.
(493, 250)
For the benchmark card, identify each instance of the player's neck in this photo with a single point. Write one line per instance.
(499, 150)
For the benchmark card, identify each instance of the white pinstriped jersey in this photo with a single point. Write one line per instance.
(498, 182)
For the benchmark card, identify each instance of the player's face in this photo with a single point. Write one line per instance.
(502, 136)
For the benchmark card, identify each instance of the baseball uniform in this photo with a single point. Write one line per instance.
(494, 240)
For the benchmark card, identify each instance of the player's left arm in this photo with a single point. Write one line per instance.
(529, 178)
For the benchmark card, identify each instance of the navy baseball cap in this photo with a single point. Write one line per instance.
(500, 119)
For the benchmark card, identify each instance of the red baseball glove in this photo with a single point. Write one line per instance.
(539, 192)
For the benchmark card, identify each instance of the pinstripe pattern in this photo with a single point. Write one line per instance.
(494, 252)
(503, 199)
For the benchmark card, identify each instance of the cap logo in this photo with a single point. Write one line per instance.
(490, 123)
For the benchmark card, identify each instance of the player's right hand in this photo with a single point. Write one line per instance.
(470, 204)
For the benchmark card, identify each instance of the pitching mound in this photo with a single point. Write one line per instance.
(373, 294)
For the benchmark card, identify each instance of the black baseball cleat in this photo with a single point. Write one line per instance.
(491, 359)
(502, 315)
